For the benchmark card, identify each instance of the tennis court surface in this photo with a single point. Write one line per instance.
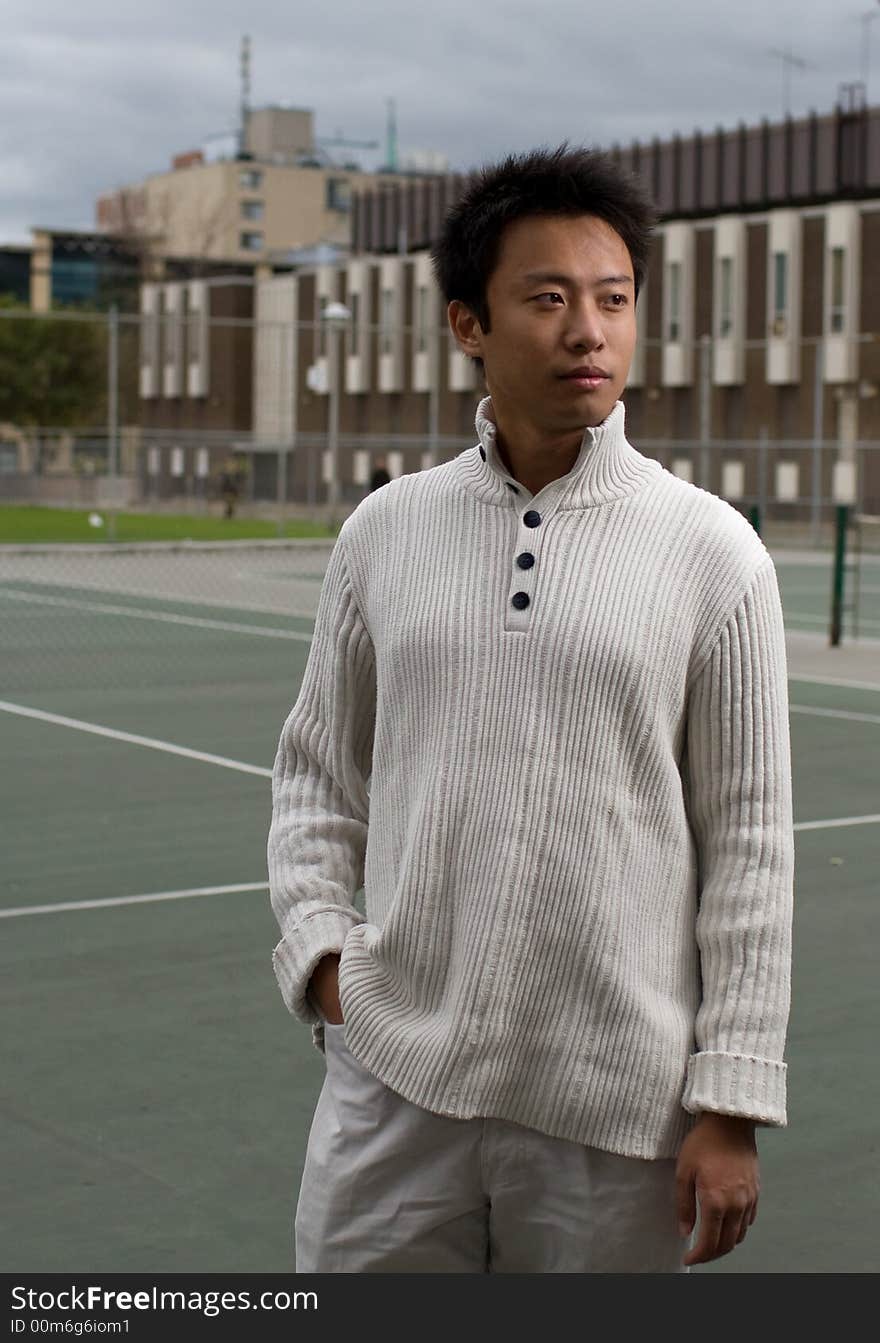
(156, 1094)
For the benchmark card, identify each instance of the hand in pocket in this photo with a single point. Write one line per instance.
(324, 989)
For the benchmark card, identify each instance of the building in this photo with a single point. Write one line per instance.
(281, 193)
(15, 273)
(767, 252)
(81, 268)
(757, 368)
(196, 381)
(68, 267)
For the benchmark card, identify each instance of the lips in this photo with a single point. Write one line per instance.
(588, 374)
(586, 381)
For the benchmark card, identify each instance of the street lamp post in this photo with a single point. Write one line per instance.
(336, 316)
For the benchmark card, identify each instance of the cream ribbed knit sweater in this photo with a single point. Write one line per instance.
(549, 736)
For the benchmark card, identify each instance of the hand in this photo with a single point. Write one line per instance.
(717, 1164)
(323, 989)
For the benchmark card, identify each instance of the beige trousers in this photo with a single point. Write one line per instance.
(388, 1187)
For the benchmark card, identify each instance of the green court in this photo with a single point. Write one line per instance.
(156, 1094)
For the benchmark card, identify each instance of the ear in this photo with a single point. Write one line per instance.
(465, 328)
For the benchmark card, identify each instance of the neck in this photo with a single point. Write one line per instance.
(533, 454)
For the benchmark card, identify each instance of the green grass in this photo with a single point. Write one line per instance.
(21, 525)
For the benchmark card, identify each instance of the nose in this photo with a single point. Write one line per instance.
(585, 330)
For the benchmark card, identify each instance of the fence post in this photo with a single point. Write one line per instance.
(705, 411)
(281, 490)
(818, 416)
(434, 392)
(842, 518)
(112, 414)
(313, 452)
(333, 493)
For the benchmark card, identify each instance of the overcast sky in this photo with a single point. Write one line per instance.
(94, 95)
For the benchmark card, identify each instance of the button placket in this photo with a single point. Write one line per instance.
(522, 591)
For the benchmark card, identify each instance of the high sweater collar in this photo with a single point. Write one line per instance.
(608, 467)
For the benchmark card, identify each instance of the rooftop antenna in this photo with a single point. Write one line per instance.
(392, 136)
(245, 92)
(788, 60)
(866, 18)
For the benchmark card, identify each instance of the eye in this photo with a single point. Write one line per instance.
(550, 294)
(618, 300)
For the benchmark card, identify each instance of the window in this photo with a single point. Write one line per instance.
(252, 209)
(149, 342)
(725, 297)
(250, 179)
(320, 326)
(172, 338)
(673, 330)
(194, 341)
(386, 322)
(422, 318)
(338, 195)
(780, 293)
(251, 242)
(837, 304)
(354, 330)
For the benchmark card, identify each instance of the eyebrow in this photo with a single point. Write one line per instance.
(548, 277)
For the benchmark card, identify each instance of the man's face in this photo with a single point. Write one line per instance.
(561, 298)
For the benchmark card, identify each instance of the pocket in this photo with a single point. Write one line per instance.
(362, 1102)
(333, 1031)
(325, 1031)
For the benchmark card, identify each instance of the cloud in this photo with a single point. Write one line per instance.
(95, 97)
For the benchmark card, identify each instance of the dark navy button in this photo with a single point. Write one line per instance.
(532, 518)
(520, 600)
(483, 453)
(511, 487)
(525, 560)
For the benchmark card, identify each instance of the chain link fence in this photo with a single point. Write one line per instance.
(259, 417)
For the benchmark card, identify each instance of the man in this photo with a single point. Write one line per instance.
(544, 722)
(229, 487)
(380, 475)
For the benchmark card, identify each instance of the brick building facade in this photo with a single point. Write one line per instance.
(758, 328)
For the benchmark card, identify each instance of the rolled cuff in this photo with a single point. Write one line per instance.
(737, 1084)
(296, 955)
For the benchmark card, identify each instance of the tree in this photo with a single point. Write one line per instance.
(53, 370)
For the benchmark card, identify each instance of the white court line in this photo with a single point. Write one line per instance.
(841, 820)
(133, 739)
(207, 758)
(835, 713)
(267, 631)
(129, 900)
(812, 619)
(17, 913)
(22, 910)
(270, 632)
(835, 680)
(264, 772)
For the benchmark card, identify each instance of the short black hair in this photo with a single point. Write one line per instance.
(559, 181)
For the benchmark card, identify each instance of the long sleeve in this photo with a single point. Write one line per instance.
(320, 798)
(738, 784)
